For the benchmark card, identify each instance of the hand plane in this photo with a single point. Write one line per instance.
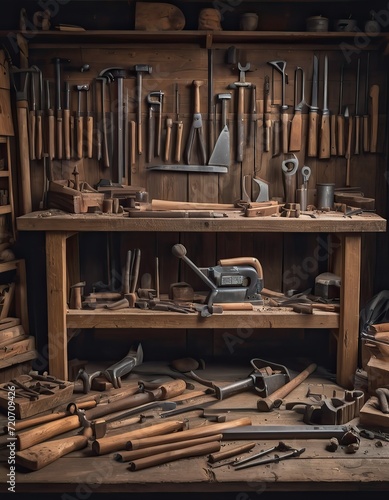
(232, 280)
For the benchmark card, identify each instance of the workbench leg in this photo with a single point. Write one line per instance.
(57, 303)
(347, 352)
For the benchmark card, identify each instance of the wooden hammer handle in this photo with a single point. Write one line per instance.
(267, 404)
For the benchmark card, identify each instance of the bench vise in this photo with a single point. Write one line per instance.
(232, 280)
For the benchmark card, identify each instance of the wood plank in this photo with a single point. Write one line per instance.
(349, 318)
(324, 223)
(17, 348)
(259, 318)
(56, 293)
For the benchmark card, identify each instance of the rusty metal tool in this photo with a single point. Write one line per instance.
(366, 135)
(357, 116)
(155, 100)
(313, 111)
(295, 137)
(287, 432)
(241, 85)
(180, 125)
(325, 135)
(281, 446)
(58, 100)
(196, 129)
(349, 121)
(289, 168)
(271, 460)
(139, 70)
(275, 399)
(280, 66)
(124, 366)
(103, 78)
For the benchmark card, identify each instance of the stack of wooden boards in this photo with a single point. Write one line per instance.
(377, 369)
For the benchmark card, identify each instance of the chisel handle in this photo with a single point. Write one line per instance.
(374, 94)
(276, 138)
(180, 129)
(66, 132)
(333, 135)
(39, 137)
(295, 132)
(24, 158)
(89, 135)
(168, 140)
(324, 149)
(51, 124)
(340, 122)
(366, 136)
(80, 127)
(133, 145)
(284, 121)
(31, 132)
(348, 150)
(267, 131)
(357, 135)
(59, 136)
(312, 133)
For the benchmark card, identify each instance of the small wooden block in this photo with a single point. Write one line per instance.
(377, 373)
(369, 416)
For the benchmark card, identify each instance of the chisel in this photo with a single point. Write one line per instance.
(296, 127)
(66, 121)
(313, 112)
(89, 125)
(32, 120)
(340, 117)
(366, 137)
(267, 110)
(374, 95)
(357, 117)
(324, 149)
(50, 122)
(348, 147)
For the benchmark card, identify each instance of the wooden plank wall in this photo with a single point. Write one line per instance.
(176, 66)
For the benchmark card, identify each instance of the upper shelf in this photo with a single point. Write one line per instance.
(203, 38)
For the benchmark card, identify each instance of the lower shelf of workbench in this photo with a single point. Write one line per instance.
(136, 318)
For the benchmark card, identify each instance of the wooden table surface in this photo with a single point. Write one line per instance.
(315, 470)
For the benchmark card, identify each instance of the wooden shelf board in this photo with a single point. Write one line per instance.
(191, 36)
(136, 318)
(55, 220)
(5, 209)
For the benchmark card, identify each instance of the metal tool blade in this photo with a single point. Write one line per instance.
(326, 111)
(221, 152)
(315, 83)
(191, 168)
(164, 405)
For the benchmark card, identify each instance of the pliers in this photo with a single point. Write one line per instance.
(196, 129)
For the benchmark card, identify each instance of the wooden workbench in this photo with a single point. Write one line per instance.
(59, 226)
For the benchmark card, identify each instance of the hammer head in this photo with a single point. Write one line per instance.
(143, 68)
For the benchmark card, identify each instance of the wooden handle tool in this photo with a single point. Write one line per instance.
(59, 134)
(333, 135)
(275, 399)
(24, 155)
(168, 140)
(313, 125)
(374, 95)
(43, 454)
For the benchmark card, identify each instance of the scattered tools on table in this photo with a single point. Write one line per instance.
(280, 66)
(241, 85)
(275, 399)
(228, 452)
(266, 378)
(273, 460)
